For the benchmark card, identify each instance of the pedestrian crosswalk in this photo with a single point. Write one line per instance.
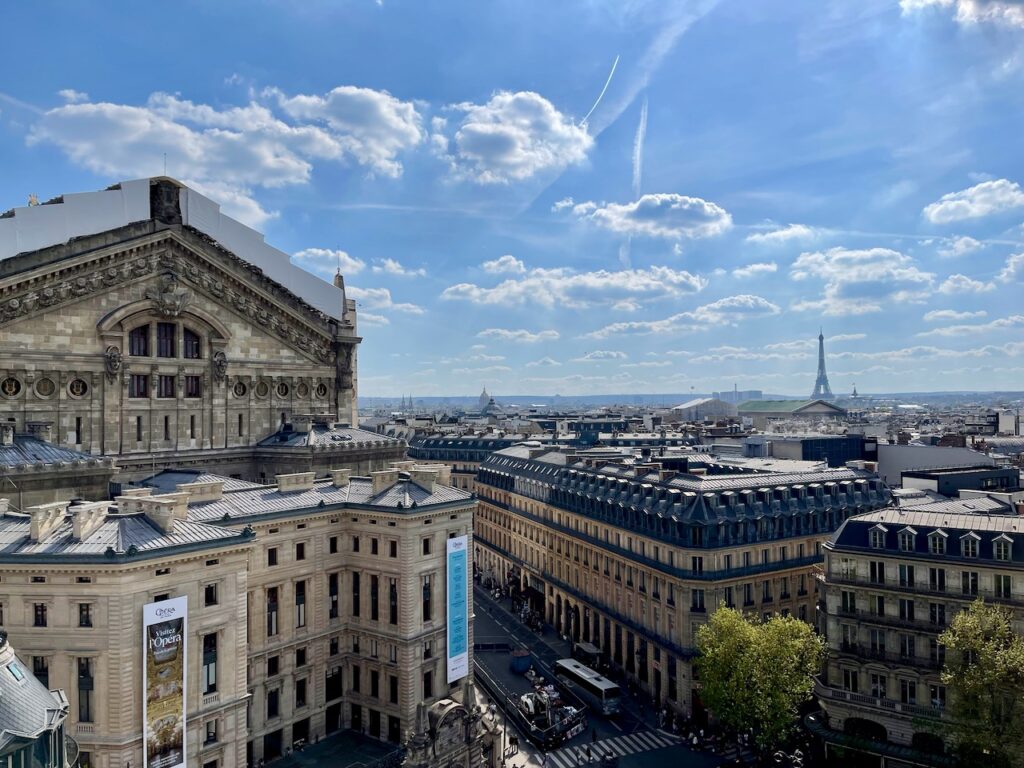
(617, 746)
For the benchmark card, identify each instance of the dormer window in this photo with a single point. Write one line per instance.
(937, 542)
(969, 544)
(907, 539)
(877, 537)
(1001, 547)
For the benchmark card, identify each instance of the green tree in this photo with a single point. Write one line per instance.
(756, 674)
(984, 675)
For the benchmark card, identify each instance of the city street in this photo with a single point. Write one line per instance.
(631, 736)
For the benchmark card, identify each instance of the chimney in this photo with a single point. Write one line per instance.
(383, 479)
(403, 466)
(424, 478)
(7, 433)
(163, 510)
(86, 518)
(340, 477)
(212, 490)
(444, 472)
(45, 518)
(299, 481)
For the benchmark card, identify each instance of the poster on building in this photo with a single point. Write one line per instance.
(458, 608)
(163, 682)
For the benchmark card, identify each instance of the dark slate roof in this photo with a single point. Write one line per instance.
(118, 532)
(988, 521)
(27, 708)
(264, 500)
(325, 435)
(29, 450)
(780, 406)
(169, 480)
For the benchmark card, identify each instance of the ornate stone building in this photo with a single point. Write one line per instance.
(141, 323)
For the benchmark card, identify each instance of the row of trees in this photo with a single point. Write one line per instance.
(757, 674)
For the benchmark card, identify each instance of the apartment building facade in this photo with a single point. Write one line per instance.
(633, 555)
(892, 581)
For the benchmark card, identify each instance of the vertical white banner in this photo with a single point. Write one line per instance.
(164, 672)
(457, 607)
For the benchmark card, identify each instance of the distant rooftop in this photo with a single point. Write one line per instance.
(329, 434)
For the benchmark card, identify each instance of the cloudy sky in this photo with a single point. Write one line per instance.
(578, 197)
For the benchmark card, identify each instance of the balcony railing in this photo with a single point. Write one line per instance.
(826, 693)
(921, 590)
(861, 652)
(889, 620)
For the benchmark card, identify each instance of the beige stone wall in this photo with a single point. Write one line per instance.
(116, 594)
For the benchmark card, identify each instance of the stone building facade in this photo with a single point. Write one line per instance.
(319, 603)
(893, 580)
(140, 323)
(632, 555)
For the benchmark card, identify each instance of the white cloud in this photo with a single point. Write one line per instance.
(484, 369)
(544, 362)
(626, 305)
(959, 246)
(1001, 12)
(599, 355)
(1013, 270)
(71, 96)
(506, 264)
(964, 284)
(513, 137)
(729, 353)
(367, 318)
(658, 215)
(392, 267)
(520, 335)
(380, 298)
(371, 126)
(561, 205)
(729, 310)
(753, 270)
(578, 290)
(648, 364)
(325, 262)
(860, 281)
(982, 199)
(1014, 321)
(952, 314)
(782, 235)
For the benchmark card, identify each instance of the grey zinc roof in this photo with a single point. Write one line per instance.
(991, 516)
(118, 532)
(30, 450)
(169, 480)
(27, 708)
(324, 435)
(268, 500)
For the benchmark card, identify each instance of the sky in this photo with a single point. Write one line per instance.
(579, 197)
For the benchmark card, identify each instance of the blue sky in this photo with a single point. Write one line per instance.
(752, 172)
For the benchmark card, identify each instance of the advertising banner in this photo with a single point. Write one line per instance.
(458, 608)
(164, 629)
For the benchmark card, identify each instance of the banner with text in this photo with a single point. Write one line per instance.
(458, 608)
(164, 628)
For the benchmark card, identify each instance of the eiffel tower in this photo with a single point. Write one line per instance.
(822, 391)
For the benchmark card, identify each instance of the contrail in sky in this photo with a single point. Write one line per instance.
(638, 150)
(601, 95)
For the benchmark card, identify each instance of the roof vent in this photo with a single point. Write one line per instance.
(383, 479)
(163, 510)
(86, 518)
(45, 519)
(210, 490)
(340, 477)
(299, 481)
(424, 478)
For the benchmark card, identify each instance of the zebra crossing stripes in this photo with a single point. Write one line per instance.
(618, 746)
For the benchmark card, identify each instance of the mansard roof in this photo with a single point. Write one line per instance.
(27, 708)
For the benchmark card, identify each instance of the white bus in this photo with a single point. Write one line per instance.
(599, 691)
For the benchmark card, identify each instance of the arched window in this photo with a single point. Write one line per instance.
(138, 341)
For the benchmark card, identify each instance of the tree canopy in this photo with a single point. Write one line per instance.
(756, 674)
(984, 675)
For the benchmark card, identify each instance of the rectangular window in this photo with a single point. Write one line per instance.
(906, 541)
(937, 614)
(272, 608)
(138, 341)
(375, 684)
(393, 689)
(426, 545)
(193, 386)
(848, 601)
(766, 591)
(210, 594)
(86, 684)
(877, 572)
(355, 543)
(970, 546)
(697, 601)
(878, 685)
(167, 428)
(300, 603)
(373, 546)
(165, 386)
(192, 426)
(300, 551)
(272, 556)
(332, 545)
(300, 692)
(1001, 549)
(393, 601)
(906, 609)
(850, 680)
(877, 639)
(428, 595)
(908, 692)
(355, 594)
(41, 669)
(428, 685)
(273, 665)
(85, 614)
(300, 657)
(333, 684)
(39, 615)
(332, 595)
(211, 732)
(209, 672)
(937, 544)
(357, 678)
(969, 581)
(138, 385)
(877, 538)
(907, 575)
(374, 597)
(908, 647)
(937, 579)
(393, 549)
(191, 345)
(938, 696)
(1002, 582)
(936, 651)
(697, 564)
(273, 703)
(165, 339)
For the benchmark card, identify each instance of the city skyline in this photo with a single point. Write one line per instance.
(849, 167)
